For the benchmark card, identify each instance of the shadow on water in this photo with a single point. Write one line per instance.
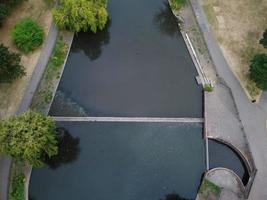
(91, 43)
(166, 21)
(68, 149)
(222, 155)
(174, 196)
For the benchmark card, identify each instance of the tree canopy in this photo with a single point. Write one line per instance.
(258, 70)
(81, 15)
(10, 68)
(263, 40)
(6, 6)
(29, 137)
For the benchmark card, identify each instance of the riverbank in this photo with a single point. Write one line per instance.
(252, 116)
(221, 115)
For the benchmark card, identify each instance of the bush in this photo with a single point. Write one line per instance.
(208, 88)
(81, 15)
(30, 137)
(6, 6)
(27, 35)
(17, 187)
(258, 70)
(177, 4)
(10, 68)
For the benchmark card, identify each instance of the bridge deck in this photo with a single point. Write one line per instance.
(129, 119)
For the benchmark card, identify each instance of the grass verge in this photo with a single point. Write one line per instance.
(17, 180)
(45, 91)
(208, 186)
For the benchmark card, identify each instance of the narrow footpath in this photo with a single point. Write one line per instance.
(252, 116)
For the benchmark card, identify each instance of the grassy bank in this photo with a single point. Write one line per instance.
(46, 88)
(17, 180)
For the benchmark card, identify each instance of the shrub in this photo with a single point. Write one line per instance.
(17, 187)
(10, 68)
(30, 137)
(208, 88)
(27, 35)
(177, 4)
(6, 6)
(258, 70)
(81, 15)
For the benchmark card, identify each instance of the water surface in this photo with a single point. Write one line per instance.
(125, 161)
(137, 66)
(221, 155)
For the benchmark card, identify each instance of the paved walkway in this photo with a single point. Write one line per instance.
(223, 121)
(231, 186)
(5, 162)
(252, 116)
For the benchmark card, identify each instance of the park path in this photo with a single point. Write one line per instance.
(252, 116)
(5, 162)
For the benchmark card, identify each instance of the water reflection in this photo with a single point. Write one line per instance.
(92, 43)
(166, 21)
(174, 196)
(68, 149)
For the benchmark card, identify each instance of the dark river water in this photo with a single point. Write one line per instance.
(123, 161)
(138, 66)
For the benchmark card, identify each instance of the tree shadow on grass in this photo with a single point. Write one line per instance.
(68, 149)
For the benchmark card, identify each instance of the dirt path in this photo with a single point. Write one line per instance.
(11, 94)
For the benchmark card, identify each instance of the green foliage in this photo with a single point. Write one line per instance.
(57, 58)
(81, 15)
(208, 88)
(10, 68)
(29, 137)
(258, 70)
(263, 40)
(44, 94)
(17, 187)
(27, 35)
(6, 6)
(177, 4)
(208, 185)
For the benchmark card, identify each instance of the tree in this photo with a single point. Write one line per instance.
(258, 70)
(6, 6)
(29, 137)
(27, 35)
(263, 40)
(10, 68)
(81, 15)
